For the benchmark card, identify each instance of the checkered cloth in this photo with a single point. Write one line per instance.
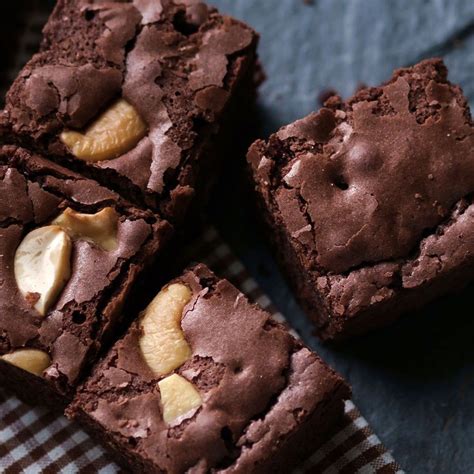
(32, 439)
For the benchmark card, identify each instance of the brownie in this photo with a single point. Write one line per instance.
(369, 202)
(184, 71)
(96, 274)
(264, 400)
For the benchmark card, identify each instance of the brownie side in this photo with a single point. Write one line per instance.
(180, 65)
(89, 309)
(265, 395)
(369, 202)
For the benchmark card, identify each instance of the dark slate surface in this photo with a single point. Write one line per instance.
(414, 381)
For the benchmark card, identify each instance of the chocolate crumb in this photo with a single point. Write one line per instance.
(32, 298)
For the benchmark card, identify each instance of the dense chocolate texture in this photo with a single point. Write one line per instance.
(181, 65)
(370, 201)
(267, 399)
(88, 310)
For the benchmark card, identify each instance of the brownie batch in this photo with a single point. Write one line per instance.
(110, 140)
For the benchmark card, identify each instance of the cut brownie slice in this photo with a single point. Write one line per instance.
(70, 252)
(135, 95)
(370, 202)
(206, 382)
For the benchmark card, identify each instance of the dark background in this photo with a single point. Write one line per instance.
(414, 381)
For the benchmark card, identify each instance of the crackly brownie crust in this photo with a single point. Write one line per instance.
(88, 310)
(179, 64)
(266, 398)
(370, 201)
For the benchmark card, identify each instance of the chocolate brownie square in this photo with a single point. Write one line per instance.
(136, 95)
(369, 202)
(206, 382)
(70, 253)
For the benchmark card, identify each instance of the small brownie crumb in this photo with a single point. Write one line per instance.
(370, 201)
(99, 248)
(325, 95)
(262, 401)
(185, 72)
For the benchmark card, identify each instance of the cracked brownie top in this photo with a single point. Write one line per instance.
(70, 251)
(240, 383)
(365, 181)
(171, 65)
(373, 196)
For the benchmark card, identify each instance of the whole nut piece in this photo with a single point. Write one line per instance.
(42, 265)
(162, 343)
(99, 228)
(31, 360)
(114, 133)
(179, 399)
